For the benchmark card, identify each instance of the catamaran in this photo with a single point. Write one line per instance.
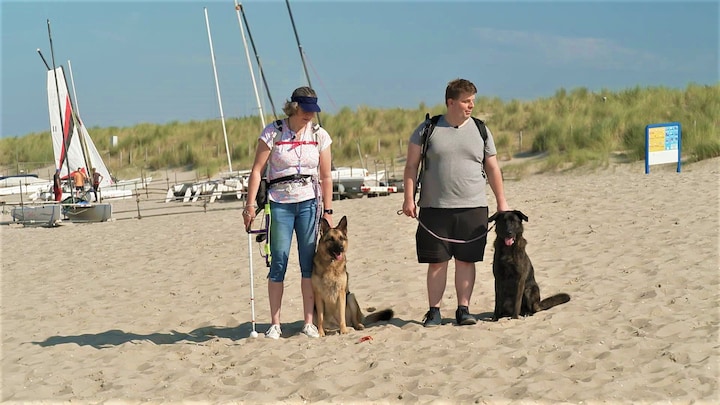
(73, 150)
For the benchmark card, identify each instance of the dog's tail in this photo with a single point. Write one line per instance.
(554, 300)
(384, 315)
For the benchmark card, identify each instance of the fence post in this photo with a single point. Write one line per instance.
(520, 142)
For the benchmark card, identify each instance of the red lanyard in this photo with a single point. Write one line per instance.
(296, 143)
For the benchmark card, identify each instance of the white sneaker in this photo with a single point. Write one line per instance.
(273, 332)
(310, 330)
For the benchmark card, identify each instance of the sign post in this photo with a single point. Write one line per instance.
(662, 144)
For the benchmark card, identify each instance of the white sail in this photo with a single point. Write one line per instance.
(68, 125)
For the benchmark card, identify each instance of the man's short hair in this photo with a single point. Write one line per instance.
(458, 87)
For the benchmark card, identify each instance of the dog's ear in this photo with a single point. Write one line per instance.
(493, 217)
(520, 215)
(324, 226)
(342, 226)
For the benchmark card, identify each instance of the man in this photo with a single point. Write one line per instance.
(96, 179)
(57, 186)
(79, 178)
(453, 203)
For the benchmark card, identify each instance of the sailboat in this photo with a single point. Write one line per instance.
(74, 150)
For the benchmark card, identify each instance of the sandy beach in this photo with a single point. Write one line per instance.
(158, 309)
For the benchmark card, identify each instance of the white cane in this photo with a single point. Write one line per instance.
(253, 333)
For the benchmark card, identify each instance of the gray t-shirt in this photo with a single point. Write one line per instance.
(453, 175)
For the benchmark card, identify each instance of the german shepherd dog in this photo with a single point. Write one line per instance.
(516, 291)
(335, 305)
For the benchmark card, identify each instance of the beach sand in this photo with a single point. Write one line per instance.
(158, 309)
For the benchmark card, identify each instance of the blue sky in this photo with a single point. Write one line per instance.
(140, 61)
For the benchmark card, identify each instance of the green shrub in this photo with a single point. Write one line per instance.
(574, 127)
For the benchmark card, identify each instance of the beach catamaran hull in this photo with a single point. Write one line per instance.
(88, 212)
(22, 184)
(43, 215)
(348, 182)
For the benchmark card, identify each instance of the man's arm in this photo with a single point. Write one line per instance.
(412, 163)
(492, 169)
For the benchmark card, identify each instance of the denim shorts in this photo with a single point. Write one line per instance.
(287, 218)
(457, 223)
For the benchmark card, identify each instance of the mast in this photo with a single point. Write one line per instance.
(297, 39)
(257, 58)
(250, 67)
(66, 136)
(217, 88)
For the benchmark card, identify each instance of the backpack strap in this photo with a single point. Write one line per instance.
(278, 125)
(481, 127)
(430, 124)
(261, 199)
(483, 133)
(278, 129)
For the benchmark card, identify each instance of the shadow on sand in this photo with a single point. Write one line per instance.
(116, 337)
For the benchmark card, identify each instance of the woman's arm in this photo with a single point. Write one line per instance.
(262, 153)
(326, 181)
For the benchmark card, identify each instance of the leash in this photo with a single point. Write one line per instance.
(451, 240)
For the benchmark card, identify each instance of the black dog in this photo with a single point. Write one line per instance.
(516, 291)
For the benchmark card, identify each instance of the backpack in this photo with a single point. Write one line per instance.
(430, 124)
(262, 195)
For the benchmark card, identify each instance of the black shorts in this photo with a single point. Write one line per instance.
(460, 224)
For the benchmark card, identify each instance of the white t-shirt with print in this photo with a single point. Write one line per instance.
(294, 158)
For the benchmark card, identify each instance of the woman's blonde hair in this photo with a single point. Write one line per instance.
(292, 107)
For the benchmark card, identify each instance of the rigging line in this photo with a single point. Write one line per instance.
(322, 84)
(79, 125)
(72, 82)
(302, 54)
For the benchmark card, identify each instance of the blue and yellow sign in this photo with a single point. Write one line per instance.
(662, 144)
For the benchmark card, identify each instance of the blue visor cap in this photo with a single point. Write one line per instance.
(308, 104)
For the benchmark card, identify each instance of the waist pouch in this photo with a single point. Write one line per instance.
(295, 178)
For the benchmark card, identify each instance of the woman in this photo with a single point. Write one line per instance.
(297, 154)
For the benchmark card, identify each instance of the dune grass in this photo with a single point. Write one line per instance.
(573, 128)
